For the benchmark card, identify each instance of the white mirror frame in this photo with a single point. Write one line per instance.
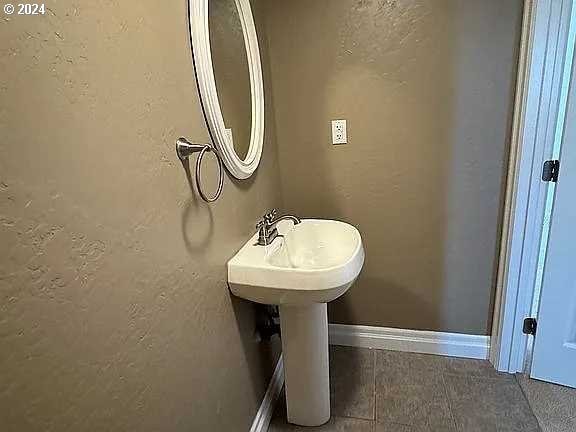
(202, 57)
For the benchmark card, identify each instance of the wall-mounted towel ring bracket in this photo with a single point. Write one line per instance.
(184, 149)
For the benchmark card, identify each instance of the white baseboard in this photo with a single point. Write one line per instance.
(418, 341)
(264, 414)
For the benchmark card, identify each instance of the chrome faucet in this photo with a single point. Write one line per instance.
(266, 226)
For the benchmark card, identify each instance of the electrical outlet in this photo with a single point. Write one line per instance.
(339, 132)
(229, 136)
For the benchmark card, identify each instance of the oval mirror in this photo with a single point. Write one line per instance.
(229, 74)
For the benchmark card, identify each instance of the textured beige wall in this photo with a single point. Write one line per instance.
(114, 310)
(427, 89)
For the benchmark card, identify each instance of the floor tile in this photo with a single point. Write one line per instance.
(336, 424)
(392, 427)
(406, 392)
(489, 405)
(471, 368)
(410, 391)
(553, 405)
(395, 427)
(352, 379)
(409, 361)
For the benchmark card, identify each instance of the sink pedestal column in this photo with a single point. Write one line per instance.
(305, 353)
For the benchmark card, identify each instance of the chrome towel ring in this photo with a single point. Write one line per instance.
(184, 149)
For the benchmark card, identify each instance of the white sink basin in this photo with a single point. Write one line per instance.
(314, 262)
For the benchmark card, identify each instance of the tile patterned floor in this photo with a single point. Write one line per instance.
(387, 391)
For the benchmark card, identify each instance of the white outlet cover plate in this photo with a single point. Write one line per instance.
(229, 136)
(339, 135)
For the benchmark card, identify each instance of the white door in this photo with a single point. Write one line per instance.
(554, 357)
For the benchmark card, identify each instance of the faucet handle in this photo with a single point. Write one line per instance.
(269, 217)
(266, 219)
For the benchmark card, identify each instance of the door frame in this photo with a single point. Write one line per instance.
(544, 67)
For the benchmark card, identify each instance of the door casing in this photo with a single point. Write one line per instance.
(544, 66)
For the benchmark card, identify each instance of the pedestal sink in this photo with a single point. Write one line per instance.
(309, 265)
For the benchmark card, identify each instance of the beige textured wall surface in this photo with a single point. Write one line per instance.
(114, 310)
(427, 89)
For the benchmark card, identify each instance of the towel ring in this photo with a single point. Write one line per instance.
(184, 149)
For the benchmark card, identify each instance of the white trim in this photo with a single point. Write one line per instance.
(200, 39)
(508, 260)
(417, 341)
(545, 35)
(264, 414)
